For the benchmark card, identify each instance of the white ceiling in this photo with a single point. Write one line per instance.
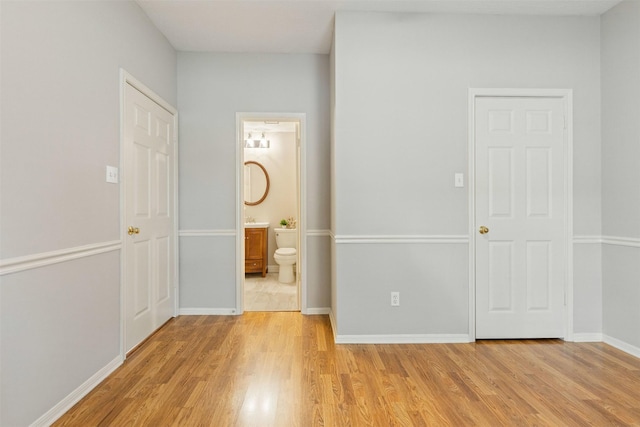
(306, 26)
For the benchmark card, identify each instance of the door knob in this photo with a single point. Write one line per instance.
(133, 230)
(483, 229)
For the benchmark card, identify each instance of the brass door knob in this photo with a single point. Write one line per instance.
(133, 230)
(483, 229)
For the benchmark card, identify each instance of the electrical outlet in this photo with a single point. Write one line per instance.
(395, 299)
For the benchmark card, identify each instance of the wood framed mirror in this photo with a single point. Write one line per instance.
(256, 183)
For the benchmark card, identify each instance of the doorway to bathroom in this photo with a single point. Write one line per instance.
(270, 221)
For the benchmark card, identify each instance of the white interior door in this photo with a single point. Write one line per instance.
(149, 199)
(520, 217)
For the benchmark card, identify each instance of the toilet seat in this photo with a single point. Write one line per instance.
(286, 251)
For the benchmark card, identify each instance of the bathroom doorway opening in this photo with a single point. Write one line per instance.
(270, 208)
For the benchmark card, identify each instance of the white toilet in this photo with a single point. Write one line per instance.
(286, 254)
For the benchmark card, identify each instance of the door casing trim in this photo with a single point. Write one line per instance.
(127, 78)
(567, 96)
(301, 118)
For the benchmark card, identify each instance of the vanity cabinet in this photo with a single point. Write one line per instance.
(255, 250)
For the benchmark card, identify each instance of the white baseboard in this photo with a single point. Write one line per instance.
(621, 345)
(587, 337)
(403, 339)
(395, 339)
(334, 329)
(74, 397)
(317, 310)
(207, 311)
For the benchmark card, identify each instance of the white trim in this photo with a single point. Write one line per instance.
(471, 185)
(14, 265)
(587, 337)
(197, 311)
(176, 213)
(319, 233)
(239, 214)
(318, 310)
(633, 242)
(334, 325)
(621, 241)
(621, 345)
(404, 339)
(583, 240)
(74, 397)
(520, 92)
(567, 95)
(301, 118)
(406, 239)
(206, 233)
(127, 78)
(569, 237)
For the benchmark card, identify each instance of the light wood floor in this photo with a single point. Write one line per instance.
(267, 294)
(282, 369)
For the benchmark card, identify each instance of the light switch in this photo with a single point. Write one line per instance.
(459, 180)
(112, 174)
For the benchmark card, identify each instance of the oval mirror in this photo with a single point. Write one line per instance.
(256, 183)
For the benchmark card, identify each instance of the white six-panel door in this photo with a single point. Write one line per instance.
(149, 197)
(520, 217)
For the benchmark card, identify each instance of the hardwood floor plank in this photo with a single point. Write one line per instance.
(283, 369)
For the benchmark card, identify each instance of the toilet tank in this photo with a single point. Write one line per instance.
(286, 237)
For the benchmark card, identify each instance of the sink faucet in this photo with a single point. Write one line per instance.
(249, 219)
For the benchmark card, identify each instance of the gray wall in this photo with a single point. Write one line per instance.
(60, 128)
(620, 173)
(401, 114)
(212, 88)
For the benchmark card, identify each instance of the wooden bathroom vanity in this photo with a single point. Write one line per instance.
(255, 250)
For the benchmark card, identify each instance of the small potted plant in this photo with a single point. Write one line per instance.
(284, 223)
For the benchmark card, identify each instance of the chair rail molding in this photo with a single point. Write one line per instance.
(633, 242)
(400, 239)
(28, 262)
(207, 233)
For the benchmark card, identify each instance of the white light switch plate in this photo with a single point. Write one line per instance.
(112, 174)
(459, 180)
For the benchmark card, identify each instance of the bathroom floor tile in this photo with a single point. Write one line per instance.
(267, 294)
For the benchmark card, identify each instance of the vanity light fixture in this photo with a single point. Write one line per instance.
(256, 143)
(249, 143)
(264, 142)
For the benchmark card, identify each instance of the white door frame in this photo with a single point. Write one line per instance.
(567, 95)
(126, 78)
(302, 202)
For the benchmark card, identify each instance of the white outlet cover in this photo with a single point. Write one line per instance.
(395, 299)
